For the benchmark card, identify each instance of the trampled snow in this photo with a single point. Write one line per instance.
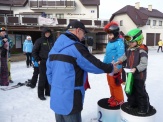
(22, 104)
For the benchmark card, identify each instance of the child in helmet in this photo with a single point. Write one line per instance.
(114, 50)
(137, 58)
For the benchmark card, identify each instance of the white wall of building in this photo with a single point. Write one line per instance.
(153, 29)
(128, 24)
(80, 11)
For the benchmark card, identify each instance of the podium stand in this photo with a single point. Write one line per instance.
(130, 115)
(107, 113)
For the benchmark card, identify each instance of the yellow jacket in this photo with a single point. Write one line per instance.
(160, 43)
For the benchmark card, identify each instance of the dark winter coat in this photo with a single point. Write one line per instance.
(90, 41)
(4, 46)
(42, 46)
(137, 57)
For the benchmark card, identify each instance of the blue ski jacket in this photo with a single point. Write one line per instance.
(67, 66)
(114, 50)
(27, 46)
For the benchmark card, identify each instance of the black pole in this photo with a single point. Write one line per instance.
(11, 4)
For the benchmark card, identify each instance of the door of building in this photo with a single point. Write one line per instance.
(152, 39)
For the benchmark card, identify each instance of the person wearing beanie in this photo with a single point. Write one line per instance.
(27, 49)
(10, 43)
(137, 60)
(114, 50)
(40, 51)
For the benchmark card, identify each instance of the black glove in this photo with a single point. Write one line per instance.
(118, 79)
(3, 52)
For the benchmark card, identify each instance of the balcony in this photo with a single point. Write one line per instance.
(49, 4)
(23, 21)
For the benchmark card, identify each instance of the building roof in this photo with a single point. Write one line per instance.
(13, 2)
(90, 2)
(139, 16)
(24, 2)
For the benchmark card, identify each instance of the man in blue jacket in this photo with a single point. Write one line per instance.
(67, 66)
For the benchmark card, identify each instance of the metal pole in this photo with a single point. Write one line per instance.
(11, 6)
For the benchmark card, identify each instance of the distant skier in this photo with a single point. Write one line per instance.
(27, 49)
(160, 44)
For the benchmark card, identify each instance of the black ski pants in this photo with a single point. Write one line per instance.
(123, 71)
(43, 85)
(160, 47)
(35, 76)
(139, 96)
(28, 59)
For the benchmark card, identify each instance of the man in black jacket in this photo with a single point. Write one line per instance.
(40, 52)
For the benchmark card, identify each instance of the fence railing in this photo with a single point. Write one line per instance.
(34, 21)
(52, 4)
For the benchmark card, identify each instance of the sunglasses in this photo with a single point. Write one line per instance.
(131, 38)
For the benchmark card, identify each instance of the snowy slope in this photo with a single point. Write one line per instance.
(23, 105)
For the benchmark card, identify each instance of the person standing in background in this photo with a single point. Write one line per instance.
(90, 43)
(9, 53)
(160, 44)
(33, 81)
(40, 52)
(4, 47)
(27, 49)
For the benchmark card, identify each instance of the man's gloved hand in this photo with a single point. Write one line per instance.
(118, 79)
(3, 52)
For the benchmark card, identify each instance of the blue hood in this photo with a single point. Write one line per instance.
(61, 44)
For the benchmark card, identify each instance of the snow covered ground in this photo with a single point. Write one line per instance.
(23, 105)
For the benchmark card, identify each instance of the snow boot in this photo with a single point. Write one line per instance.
(115, 103)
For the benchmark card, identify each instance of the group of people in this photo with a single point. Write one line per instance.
(63, 69)
(5, 47)
(69, 62)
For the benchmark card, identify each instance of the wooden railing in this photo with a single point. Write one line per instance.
(34, 21)
(51, 4)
